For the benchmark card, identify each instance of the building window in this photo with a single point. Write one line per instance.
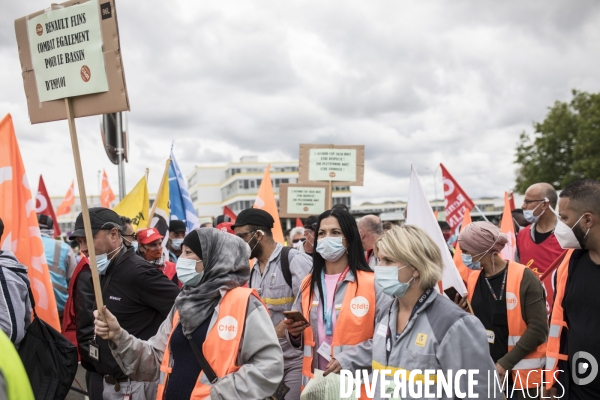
(252, 184)
(246, 184)
(284, 180)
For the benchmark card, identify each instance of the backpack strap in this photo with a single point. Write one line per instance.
(206, 368)
(285, 265)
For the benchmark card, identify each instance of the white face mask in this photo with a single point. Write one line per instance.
(528, 214)
(565, 235)
(331, 248)
(176, 244)
(186, 271)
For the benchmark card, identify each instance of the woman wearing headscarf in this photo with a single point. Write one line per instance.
(418, 329)
(213, 313)
(338, 298)
(509, 300)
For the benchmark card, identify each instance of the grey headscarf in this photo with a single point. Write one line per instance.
(226, 266)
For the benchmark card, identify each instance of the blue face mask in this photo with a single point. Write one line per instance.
(135, 246)
(467, 259)
(387, 278)
(331, 248)
(186, 272)
(102, 261)
(176, 244)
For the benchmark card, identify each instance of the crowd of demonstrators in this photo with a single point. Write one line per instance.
(213, 313)
(177, 230)
(15, 307)
(537, 246)
(60, 259)
(417, 328)
(276, 275)
(370, 229)
(338, 300)
(509, 300)
(136, 292)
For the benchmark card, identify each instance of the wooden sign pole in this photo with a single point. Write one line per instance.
(330, 197)
(89, 237)
(160, 189)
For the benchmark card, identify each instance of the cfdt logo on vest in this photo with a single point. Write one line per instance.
(359, 306)
(227, 328)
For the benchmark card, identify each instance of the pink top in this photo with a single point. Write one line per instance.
(331, 285)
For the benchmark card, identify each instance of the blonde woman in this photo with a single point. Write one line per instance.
(418, 328)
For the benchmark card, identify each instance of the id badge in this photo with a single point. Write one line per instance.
(95, 351)
(325, 351)
(491, 336)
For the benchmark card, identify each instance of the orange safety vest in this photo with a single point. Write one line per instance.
(353, 325)
(221, 345)
(557, 322)
(529, 370)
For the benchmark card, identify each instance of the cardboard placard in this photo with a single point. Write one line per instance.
(114, 100)
(301, 200)
(343, 165)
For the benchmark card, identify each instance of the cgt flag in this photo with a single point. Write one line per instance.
(456, 200)
(68, 201)
(135, 205)
(265, 200)
(44, 206)
(229, 212)
(21, 230)
(420, 214)
(106, 196)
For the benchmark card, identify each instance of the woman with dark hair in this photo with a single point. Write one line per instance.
(338, 299)
(217, 342)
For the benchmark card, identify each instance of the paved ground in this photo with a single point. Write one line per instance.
(79, 378)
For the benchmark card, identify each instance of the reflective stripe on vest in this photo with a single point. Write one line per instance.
(557, 321)
(355, 322)
(221, 346)
(517, 326)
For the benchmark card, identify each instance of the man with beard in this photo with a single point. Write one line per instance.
(276, 275)
(573, 343)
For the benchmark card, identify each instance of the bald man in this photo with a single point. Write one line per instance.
(370, 229)
(537, 246)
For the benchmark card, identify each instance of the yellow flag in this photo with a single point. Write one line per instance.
(265, 200)
(135, 205)
(161, 210)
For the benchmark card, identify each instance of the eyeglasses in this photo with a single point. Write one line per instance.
(528, 202)
(298, 240)
(242, 235)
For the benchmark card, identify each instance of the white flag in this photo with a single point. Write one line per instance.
(420, 214)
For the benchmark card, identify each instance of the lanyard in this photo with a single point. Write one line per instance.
(503, 285)
(327, 313)
(388, 335)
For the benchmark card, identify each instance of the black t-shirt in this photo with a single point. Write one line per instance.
(492, 313)
(582, 312)
(540, 237)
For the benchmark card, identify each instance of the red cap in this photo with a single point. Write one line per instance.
(225, 227)
(148, 235)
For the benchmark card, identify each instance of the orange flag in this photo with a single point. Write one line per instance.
(21, 230)
(265, 200)
(462, 268)
(507, 226)
(68, 201)
(106, 196)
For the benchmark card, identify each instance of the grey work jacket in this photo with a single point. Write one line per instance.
(277, 295)
(352, 357)
(439, 336)
(259, 356)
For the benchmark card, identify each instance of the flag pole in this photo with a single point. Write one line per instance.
(160, 189)
(89, 237)
(481, 212)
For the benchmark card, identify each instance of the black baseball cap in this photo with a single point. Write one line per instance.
(254, 216)
(177, 225)
(100, 218)
(45, 221)
(444, 225)
(220, 219)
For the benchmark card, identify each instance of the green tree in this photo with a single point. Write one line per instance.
(564, 147)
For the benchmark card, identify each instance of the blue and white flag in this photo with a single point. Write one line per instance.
(182, 207)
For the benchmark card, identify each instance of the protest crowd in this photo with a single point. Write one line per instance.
(226, 311)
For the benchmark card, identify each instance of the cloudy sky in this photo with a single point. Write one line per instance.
(416, 82)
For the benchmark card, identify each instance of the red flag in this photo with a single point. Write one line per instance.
(68, 201)
(511, 199)
(547, 279)
(456, 201)
(44, 206)
(299, 223)
(507, 226)
(227, 211)
(106, 196)
(21, 229)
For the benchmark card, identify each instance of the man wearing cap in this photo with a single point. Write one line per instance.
(150, 249)
(276, 275)
(61, 261)
(136, 292)
(310, 226)
(447, 233)
(177, 231)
